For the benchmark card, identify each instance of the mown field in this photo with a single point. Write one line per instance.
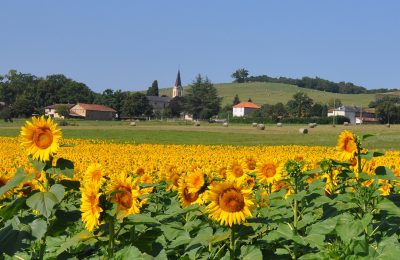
(178, 132)
(109, 195)
(272, 93)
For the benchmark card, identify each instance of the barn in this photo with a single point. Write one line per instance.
(93, 112)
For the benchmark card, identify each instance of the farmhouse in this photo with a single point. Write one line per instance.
(92, 112)
(356, 114)
(244, 108)
(51, 111)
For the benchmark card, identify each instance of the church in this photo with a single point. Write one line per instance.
(160, 103)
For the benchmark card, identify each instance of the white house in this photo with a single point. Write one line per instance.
(244, 108)
(51, 111)
(347, 111)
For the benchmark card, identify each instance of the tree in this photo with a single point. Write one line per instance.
(240, 75)
(62, 110)
(334, 102)
(153, 90)
(176, 107)
(136, 105)
(300, 105)
(236, 100)
(249, 100)
(202, 99)
(23, 106)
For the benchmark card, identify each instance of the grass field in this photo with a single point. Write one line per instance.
(272, 93)
(155, 132)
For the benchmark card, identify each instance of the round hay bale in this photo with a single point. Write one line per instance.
(303, 131)
(387, 125)
(279, 124)
(254, 124)
(225, 124)
(132, 123)
(312, 125)
(197, 123)
(333, 125)
(345, 123)
(261, 126)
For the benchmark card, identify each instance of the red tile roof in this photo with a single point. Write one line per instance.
(95, 107)
(247, 104)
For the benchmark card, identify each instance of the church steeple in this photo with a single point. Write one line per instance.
(177, 90)
(178, 79)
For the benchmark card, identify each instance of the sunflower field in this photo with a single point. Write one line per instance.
(90, 199)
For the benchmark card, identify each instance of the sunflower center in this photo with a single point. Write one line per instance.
(140, 171)
(96, 175)
(231, 200)
(237, 171)
(349, 145)
(124, 198)
(2, 182)
(269, 170)
(93, 203)
(251, 163)
(43, 138)
(190, 196)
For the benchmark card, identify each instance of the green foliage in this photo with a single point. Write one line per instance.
(153, 90)
(136, 105)
(240, 75)
(62, 110)
(201, 99)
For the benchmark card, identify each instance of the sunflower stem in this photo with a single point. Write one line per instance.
(111, 237)
(232, 245)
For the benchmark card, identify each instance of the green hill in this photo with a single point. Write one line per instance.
(272, 93)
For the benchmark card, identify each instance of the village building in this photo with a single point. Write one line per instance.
(356, 115)
(92, 112)
(51, 111)
(159, 104)
(244, 109)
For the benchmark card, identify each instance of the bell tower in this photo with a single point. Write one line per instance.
(177, 90)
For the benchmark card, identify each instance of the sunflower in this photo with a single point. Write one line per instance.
(186, 197)
(126, 196)
(269, 172)
(194, 181)
(3, 181)
(90, 207)
(94, 174)
(40, 138)
(251, 163)
(229, 203)
(347, 145)
(236, 172)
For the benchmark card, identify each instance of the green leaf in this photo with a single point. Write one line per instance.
(131, 252)
(142, 219)
(39, 228)
(13, 208)
(315, 240)
(202, 238)
(43, 202)
(348, 228)
(58, 191)
(384, 173)
(38, 165)
(70, 185)
(63, 166)
(14, 237)
(389, 206)
(323, 227)
(75, 240)
(250, 253)
(20, 177)
(220, 237)
(366, 136)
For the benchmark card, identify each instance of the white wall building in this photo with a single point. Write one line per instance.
(347, 111)
(51, 111)
(243, 109)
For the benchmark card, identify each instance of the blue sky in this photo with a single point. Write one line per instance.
(128, 44)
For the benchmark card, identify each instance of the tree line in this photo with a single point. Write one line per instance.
(22, 95)
(242, 75)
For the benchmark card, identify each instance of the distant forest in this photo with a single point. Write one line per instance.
(319, 84)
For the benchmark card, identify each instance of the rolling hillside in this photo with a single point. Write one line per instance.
(272, 93)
